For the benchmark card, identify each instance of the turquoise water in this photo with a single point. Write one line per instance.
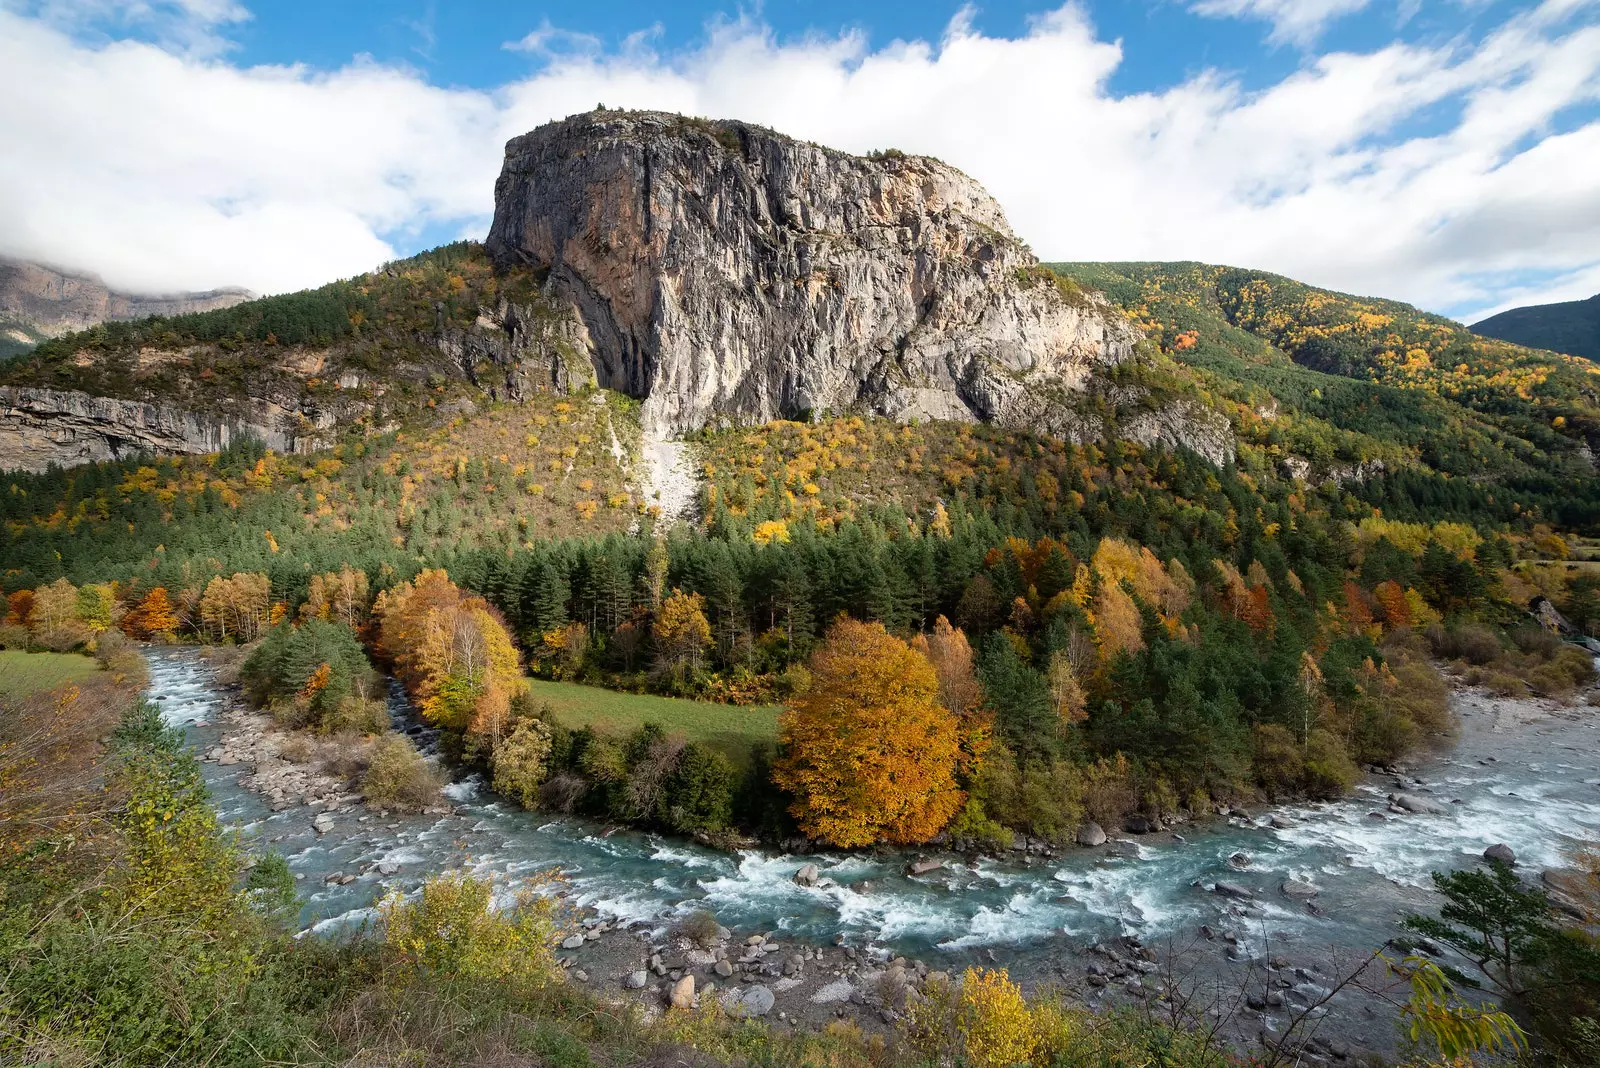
(1536, 788)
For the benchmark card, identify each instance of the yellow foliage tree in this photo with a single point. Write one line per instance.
(870, 752)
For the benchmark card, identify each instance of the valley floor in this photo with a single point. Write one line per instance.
(1198, 924)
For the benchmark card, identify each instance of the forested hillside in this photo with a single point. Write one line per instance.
(1412, 411)
(1572, 327)
(1115, 627)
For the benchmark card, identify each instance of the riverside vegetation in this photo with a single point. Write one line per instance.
(1093, 632)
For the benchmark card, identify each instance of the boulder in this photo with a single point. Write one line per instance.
(1501, 852)
(682, 995)
(1417, 805)
(1091, 834)
(572, 942)
(636, 980)
(807, 875)
(1140, 824)
(753, 1000)
(923, 866)
(1297, 889)
(1227, 889)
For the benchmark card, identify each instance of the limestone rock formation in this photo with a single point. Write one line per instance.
(38, 302)
(41, 427)
(726, 273)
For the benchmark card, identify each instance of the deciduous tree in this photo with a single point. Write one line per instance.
(870, 751)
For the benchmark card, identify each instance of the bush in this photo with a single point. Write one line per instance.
(973, 829)
(1475, 644)
(13, 636)
(520, 761)
(699, 927)
(1280, 768)
(357, 715)
(1329, 771)
(452, 929)
(1536, 641)
(698, 795)
(398, 777)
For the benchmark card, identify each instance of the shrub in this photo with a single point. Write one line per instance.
(699, 927)
(1536, 641)
(452, 929)
(398, 777)
(1329, 771)
(997, 1025)
(1475, 644)
(357, 715)
(520, 761)
(698, 794)
(1280, 768)
(973, 829)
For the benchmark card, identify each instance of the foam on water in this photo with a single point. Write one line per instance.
(1368, 871)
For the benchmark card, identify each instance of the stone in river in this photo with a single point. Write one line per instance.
(923, 867)
(572, 942)
(1091, 834)
(1501, 852)
(1298, 888)
(1417, 805)
(682, 996)
(1227, 889)
(806, 876)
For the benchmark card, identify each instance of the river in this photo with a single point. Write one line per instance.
(1520, 773)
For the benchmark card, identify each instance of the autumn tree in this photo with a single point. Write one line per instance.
(1116, 622)
(338, 596)
(236, 607)
(870, 752)
(682, 634)
(1066, 696)
(454, 654)
(55, 616)
(152, 618)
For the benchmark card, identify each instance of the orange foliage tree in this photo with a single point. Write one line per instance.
(152, 617)
(870, 752)
(453, 652)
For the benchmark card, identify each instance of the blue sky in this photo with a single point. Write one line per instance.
(1437, 151)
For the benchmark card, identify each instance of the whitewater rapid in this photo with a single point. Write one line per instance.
(1535, 787)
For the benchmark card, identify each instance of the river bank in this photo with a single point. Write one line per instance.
(1196, 922)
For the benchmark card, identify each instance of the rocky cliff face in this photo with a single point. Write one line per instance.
(726, 273)
(37, 302)
(44, 427)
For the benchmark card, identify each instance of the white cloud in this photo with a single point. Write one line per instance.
(1297, 22)
(165, 169)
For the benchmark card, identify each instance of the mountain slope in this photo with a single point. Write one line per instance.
(38, 303)
(1572, 327)
(1371, 391)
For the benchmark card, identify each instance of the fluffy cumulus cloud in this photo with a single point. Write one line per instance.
(1458, 175)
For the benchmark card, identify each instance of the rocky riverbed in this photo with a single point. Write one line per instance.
(1250, 920)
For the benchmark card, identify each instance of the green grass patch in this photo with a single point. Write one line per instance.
(733, 729)
(25, 674)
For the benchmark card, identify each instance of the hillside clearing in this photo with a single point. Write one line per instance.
(733, 729)
(25, 674)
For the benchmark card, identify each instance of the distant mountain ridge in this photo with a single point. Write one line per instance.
(39, 302)
(1572, 327)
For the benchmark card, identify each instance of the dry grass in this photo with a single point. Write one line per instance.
(51, 778)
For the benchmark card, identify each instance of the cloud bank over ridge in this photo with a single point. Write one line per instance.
(1458, 175)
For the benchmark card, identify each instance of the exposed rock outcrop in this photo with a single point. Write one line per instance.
(724, 272)
(38, 302)
(41, 427)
